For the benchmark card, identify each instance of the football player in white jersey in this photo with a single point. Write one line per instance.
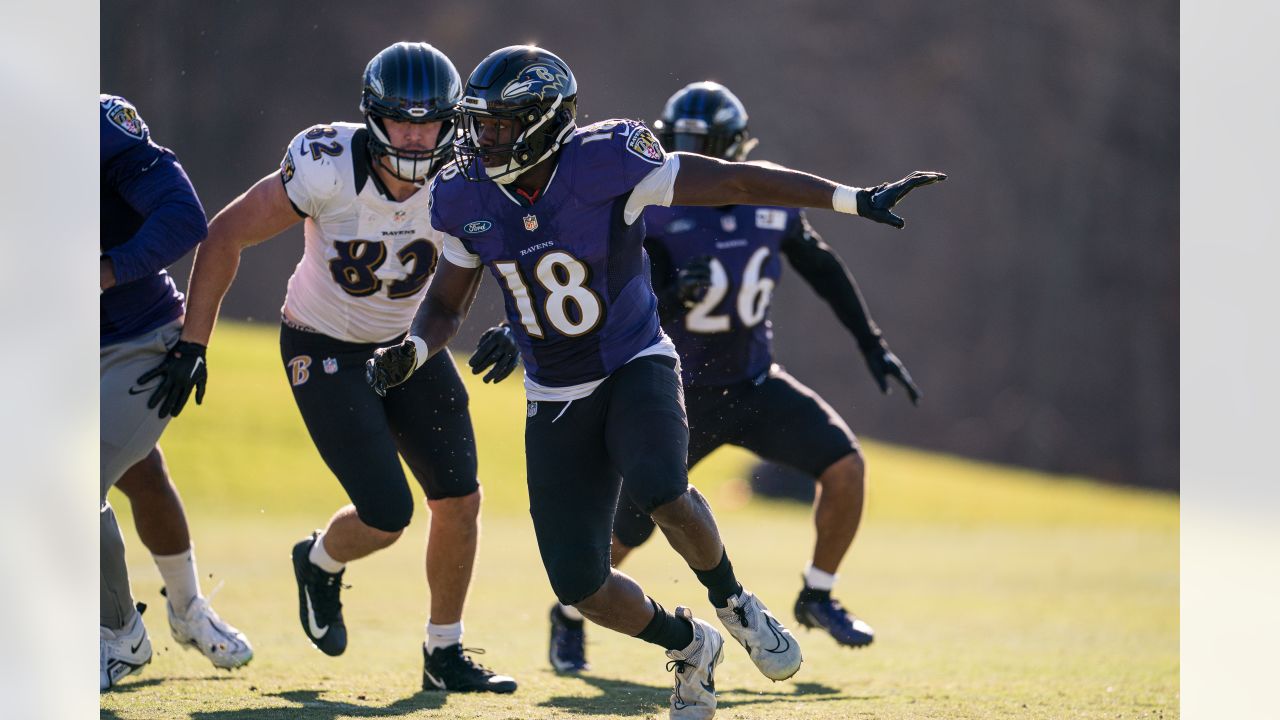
(370, 250)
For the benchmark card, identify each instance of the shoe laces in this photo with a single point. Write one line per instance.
(741, 612)
(678, 665)
(462, 657)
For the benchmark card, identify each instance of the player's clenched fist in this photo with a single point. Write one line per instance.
(390, 366)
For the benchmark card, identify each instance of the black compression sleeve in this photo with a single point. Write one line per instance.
(818, 264)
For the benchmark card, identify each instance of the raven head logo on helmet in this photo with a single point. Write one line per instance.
(416, 83)
(705, 118)
(535, 81)
(519, 105)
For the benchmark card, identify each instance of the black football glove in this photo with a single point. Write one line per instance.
(693, 280)
(884, 365)
(877, 203)
(184, 367)
(390, 366)
(497, 349)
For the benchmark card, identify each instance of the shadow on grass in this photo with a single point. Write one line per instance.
(624, 697)
(313, 707)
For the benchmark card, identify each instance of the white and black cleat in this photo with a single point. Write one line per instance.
(199, 628)
(693, 697)
(772, 647)
(122, 652)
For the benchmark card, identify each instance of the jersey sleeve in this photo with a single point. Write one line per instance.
(618, 156)
(311, 179)
(150, 180)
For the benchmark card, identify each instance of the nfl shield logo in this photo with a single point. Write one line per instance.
(330, 365)
(530, 223)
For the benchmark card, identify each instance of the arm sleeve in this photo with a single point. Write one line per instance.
(656, 188)
(151, 180)
(660, 267)
(818, 264)
(458, 254)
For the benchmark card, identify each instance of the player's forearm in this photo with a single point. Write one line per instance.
(169, 232)
(256, 216)
(444, 308)
(833, 282)
(214, 270)
(709, 181)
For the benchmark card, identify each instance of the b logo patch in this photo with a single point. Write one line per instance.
(644, 145)
(299, 370)
(124, 116)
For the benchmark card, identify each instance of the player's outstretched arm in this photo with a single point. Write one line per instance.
(827, 274)
(708, 181)
(260, 213)
(446, 304)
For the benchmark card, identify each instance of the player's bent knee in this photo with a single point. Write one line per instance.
(464, 509)
(390, 519)
(633, 530)
(574, 579)
(850, 470)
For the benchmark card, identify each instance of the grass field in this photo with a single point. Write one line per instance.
(995, 592)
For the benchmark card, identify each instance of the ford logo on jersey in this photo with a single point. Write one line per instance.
(476, 227)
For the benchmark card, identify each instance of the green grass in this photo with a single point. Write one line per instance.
(995, 592)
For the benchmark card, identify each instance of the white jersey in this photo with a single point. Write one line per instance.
(367, 257)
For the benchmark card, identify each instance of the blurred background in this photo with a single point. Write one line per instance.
(1034, 296)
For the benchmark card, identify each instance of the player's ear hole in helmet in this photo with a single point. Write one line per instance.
(708, 119)
(518, 107)
(415, 83)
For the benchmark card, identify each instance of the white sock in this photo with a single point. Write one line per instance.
(570, 612)
(181, 584)
(439, 636)
(320, 558)
(817, 579)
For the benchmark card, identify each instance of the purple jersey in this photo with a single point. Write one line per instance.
(726, 337)
(572, 269)
(150, 217)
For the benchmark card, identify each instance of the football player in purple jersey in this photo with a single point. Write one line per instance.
(150, 217)
(555, 211)
(714, 272)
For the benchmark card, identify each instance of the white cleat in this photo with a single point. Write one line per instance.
(122, 652)
(772, 647)
(694, 694)
(200, 628)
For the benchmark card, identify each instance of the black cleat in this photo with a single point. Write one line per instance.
(817, 609)
(568, 651)
(319, 608)
(451, 669)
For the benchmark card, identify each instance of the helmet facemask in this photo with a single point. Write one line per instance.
(416, 166)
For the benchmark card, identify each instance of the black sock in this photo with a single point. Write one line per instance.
(667, 630)
(719, 581)
(809, 594)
